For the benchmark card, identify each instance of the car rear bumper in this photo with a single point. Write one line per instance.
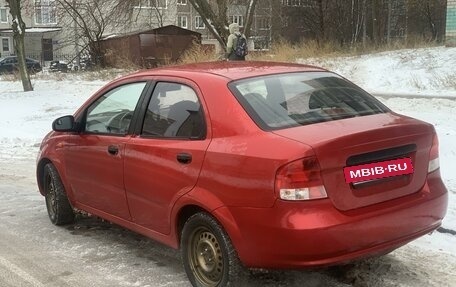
(315, 234)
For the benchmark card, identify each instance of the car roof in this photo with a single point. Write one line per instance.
(231, 70)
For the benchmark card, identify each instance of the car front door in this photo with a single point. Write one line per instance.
(94, 158)
(163, 162)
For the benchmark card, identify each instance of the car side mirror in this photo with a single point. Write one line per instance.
(64, 124)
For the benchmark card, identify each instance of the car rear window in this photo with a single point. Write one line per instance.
(295, 99)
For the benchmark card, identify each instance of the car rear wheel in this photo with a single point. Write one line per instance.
(59, 209)
(208, 255)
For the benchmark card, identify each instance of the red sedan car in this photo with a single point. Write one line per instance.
(264, 165)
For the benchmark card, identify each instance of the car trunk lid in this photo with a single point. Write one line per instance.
(364, 140)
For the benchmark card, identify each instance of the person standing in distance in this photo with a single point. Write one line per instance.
(236, 45)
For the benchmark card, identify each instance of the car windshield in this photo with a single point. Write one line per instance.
(295, 99)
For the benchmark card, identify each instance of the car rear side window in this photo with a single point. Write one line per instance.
(174, 111)
(295, 99)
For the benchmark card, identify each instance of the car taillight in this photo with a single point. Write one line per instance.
(300, 180)
(434, 163)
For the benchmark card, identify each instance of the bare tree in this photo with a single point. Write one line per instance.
(364, 18)
(277, 19)
(214, 16)
(249, 16)
(91, 21)
(428, 18)
(350, 22)
(18, 38)
(307, 20)
(341, 21)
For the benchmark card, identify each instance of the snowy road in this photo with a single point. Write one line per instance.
(33, 252)
(89, 253)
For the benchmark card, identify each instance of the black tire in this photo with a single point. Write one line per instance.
(59, 209)
(208, 255)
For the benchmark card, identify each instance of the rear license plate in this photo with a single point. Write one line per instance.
(376, 170)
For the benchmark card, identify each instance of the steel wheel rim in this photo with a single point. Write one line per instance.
(205, 256)
(50, 196)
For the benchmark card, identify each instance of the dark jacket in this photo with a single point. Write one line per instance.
(232, 41)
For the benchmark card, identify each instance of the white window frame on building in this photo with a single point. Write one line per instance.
(8, 40)
(298, 3)
(45, 12)
(151, 4)
(3, 15)
(181, 2)
(182, 21)
(238, 19)
(199, 23)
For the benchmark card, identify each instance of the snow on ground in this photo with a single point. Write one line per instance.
(441, 113)
(26, 117)
(426, 71)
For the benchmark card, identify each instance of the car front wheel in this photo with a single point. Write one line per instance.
(208, 255)
(59, 209)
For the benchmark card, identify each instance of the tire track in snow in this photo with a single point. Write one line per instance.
(26, 277)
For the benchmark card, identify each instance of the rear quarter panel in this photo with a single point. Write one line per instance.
(242, 160)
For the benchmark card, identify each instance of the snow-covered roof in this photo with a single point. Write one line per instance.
(109, 36)
(35, 30)
(165, 30)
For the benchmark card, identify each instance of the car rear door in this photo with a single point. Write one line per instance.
(164, 160)
(94, 158)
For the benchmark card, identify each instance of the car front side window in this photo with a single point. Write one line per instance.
(174, 111)
(113, 111)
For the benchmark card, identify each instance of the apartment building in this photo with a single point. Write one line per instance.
(42, 35)
(52, 35)
(185, 16)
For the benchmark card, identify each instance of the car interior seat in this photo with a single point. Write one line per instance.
(185, 119)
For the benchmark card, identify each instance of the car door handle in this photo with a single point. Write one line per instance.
(184, 158)
(112, 149)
